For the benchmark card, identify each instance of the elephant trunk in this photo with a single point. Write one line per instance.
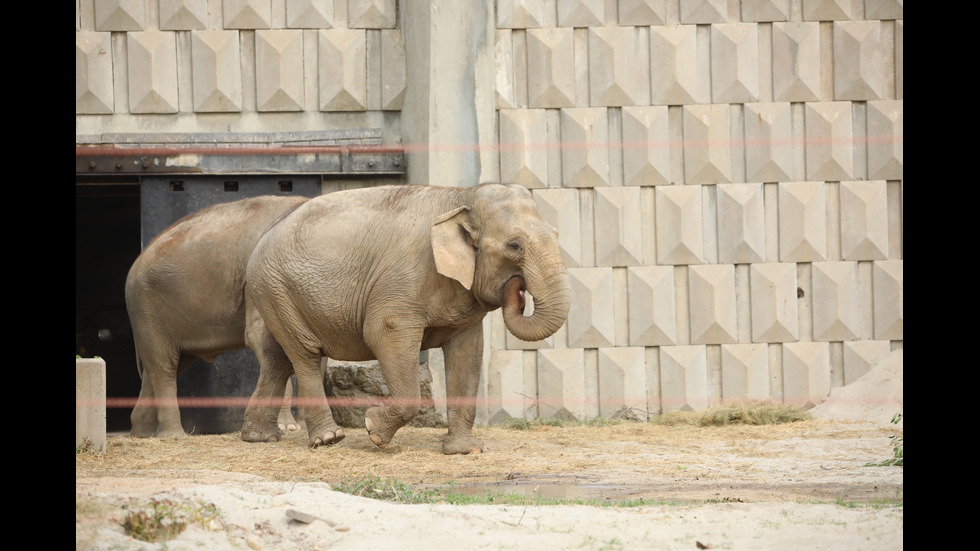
(552, 295)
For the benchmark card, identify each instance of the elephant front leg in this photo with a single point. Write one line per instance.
(463, 357)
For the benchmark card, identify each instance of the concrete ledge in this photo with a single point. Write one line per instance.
(90, 403)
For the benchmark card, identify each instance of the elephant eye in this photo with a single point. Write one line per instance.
(514, 247)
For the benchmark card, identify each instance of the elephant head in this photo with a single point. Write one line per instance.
(498, 247)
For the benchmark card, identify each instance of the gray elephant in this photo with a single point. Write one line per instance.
(185, 297)
(382, 273)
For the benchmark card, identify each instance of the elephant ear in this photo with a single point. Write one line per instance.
(452, 246)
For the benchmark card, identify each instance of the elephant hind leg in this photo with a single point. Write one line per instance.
(286, 420)
(156, 412)
(144, 417)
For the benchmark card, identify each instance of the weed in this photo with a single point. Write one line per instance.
(162, 520)
(86, 446)
(752, 413)
(898, 448)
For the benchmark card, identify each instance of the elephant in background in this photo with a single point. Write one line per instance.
(382, 273)
(185, 298)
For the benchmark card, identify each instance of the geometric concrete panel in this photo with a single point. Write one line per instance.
(523, 157)
(562, 389)
(505, 87)
(861, 356)
(560, 208)
(711, 289)
(884, 9)
(646, 145)
(734, 63)
(120, 15)
(888, 281)
(183, 15)
(93, 73)
(858, 56)
(886, 134)
(343, 70)
(584, 147)
(806, 373)
(581, 13)
(683, 378)
(674, 65)
(741, 223)
(550, 67)
(707, 144)
(618, 226)
(591, 318)
(759, 11)
(680, 237)
(642, 12)
(838, 300)
(247, 14)
(152, 72)
(652, 315)
(310, 14)
(768, 142)
(702, 12)
(525, 14)
(217, 71)
(393, 70)
(900, 60)
(802, 222)
(622, 380)
(774, 303)
(831, 10)
(279, 70)
(619, 71)
(829, 141)
(505, 385)
(864, 220)
(744, 372)
(796, 61)
(371, 14)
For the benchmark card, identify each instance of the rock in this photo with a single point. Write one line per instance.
(360, 385)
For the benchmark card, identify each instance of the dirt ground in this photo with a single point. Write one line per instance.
(803, 485)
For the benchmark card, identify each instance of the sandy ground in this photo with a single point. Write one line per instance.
(807, 485)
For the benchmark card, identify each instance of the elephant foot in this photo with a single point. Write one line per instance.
(256, 433)
(171, 433)
(461, 445)
(140, 432)
(287, 422)
(327, 438)
(380, 432)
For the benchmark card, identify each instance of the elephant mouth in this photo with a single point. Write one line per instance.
(514, 291)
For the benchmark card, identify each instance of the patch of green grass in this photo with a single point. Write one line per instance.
(162, 520)
(752, 413)
(877, 503)
(86, 446)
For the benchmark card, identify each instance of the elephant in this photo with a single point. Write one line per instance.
(381, 273)
(185, 298)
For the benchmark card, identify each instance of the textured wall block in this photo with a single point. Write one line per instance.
(393, 70)
(829, 141)
(711, 289)
(838, 301)
(584, 147)
(505, 86)
(796, 61)
(861, 356)
(581, 13)
(768, 142)
(683, 378)
(884, 9)
(371, 14)
(674, 65)
(680, 235)
(888, 281)
(525, 14)
(652, 312)
(858, 56)
(246, 14)
(152, 72)
(183, 15)
(642, 12)
(707, 144)
(618, 226)
(120, 15)
(899, 59)
(343, 70)
(734, 63)
(741, 223)
(523, 155)
(886, 139)
(550, 67)
(806, 373)
(619, 71)
(279, 70)
(505, 385)
(93, 73)
(765, 10)
(646, 145)
(802, 222)
(744, 372)
(310, 14)
(701, 12)
(622, 381)
(591, 317)
(560, 208)
(831, 10)
(563, 391)
(217, 71)
(864, 220)
(774, 302)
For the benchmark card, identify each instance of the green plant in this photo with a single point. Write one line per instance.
(752, 413)
(898, 445)
(85, 446)
(162, 520)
